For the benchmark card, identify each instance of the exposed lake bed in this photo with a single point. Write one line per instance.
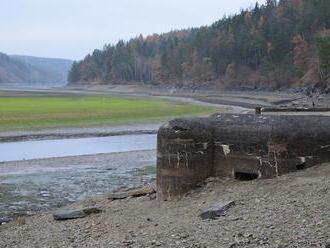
(49, 168)
(59, 165)
(30, 186)
(262, 215)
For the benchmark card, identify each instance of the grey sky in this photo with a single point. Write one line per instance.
(73, 28)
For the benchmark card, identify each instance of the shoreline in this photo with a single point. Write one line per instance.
(71, 133)
(291, 211)
(36, 185)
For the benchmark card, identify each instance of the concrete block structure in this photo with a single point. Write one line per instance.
(244, 147)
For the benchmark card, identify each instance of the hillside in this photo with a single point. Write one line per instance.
(55, 69)
(28, 70)
(282, 44)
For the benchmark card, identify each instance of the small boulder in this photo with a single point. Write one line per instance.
(145, 190)
(69, 214)
(216, 210)
(327, 245)
(119, 195)
(4, 221)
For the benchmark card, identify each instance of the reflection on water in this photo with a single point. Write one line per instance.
(28, 187)
(14, 151)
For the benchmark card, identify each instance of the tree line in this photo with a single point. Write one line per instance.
(279, 44)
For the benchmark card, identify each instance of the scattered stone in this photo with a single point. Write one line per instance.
(119, 195)
(240, 239)
(216, 210)
(235, 218)
(232, 245)
(145, 190)
(327, 245)
(4, 221)
(152, 197)
(128, 242)
(248, 235)
(68, 214)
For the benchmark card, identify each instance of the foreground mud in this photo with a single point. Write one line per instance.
(291, 211)
(32, 186)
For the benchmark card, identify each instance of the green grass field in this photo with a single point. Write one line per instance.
(41, 112)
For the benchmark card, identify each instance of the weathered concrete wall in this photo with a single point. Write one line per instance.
(241, 146)
(184, 157)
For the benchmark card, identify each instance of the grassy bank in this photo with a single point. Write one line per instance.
(41, 112)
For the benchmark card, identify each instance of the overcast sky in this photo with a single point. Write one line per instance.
(73, 28)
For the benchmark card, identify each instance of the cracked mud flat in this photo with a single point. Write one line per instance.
(291, 211)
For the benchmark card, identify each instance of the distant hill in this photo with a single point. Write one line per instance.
(281, 44)
(28, 70)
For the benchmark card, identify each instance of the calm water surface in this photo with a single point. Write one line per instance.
(32, 186)
(24, 150)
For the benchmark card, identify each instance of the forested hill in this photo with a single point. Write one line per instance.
(27, 70)
(281, 44)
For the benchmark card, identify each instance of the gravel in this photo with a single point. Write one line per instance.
(292, 211)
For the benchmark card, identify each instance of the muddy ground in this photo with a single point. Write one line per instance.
(291, 211)
(32, 186)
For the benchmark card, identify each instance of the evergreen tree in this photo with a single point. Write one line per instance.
(273, 39)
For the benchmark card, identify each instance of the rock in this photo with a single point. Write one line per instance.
(216, 210)
(4, 220)
(119, 195)
(128, 242)
(68, 214)
(327, 245)
(145, 190)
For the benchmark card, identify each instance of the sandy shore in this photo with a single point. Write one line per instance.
(291, 211)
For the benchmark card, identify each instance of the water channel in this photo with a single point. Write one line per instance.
(43, 174)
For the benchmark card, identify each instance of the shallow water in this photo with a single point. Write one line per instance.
(25, 150)
(32, 186)
(33, 191)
